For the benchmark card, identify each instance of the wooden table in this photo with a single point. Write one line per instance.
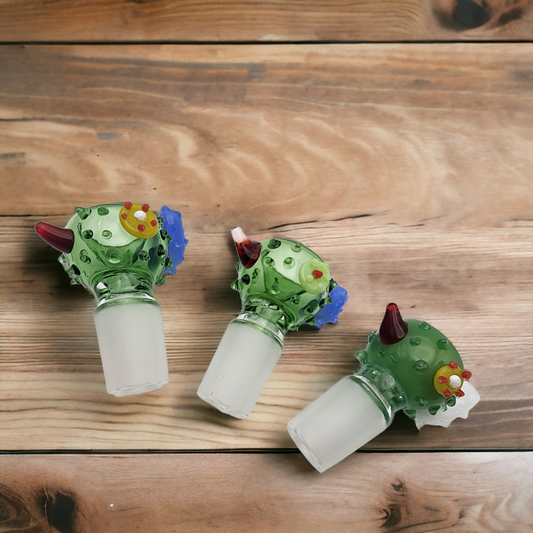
(374, 133)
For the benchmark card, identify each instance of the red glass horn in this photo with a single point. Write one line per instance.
(62, 239)
(247, 250)
(393, 328)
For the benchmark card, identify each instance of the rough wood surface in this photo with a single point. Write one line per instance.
(275, 135)
(473, 284)
(264, 20)
(386, 493)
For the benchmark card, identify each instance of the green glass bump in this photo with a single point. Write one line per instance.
(451, 401)
(420, 366)
(434, 409)
(442, 344)
(274, 243)
(393, 358)
(274, 289)
(411, 413)
(106, 234)
(288, 262)
(73, 271)
(296, 247)
(114, 256)
(87, 234)
(102, 211)
(83, 212)
(371, 336)
(414, 341)
(84, 256)
(381, 351)
(421, 401)
(424, 325)
(362, 356)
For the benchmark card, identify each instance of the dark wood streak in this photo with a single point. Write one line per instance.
(12, 155)
(512, 14)
(13, 512)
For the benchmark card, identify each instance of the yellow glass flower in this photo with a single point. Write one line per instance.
(448, 380)
(138, 220)
(314, 276)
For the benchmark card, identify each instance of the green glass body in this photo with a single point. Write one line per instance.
(402, 373)
(110, 262)
(274, 293)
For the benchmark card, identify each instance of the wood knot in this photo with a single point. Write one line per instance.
(398, 486)
(393, 515)
(59, 510)
(470, 14)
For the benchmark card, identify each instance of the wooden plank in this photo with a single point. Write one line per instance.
(409, 132)
(473, 284)
(388, 493)
(266, 21)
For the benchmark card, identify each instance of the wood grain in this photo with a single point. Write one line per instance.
(388, 493)
(271, 135)
(265, 21)
(475, 285)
